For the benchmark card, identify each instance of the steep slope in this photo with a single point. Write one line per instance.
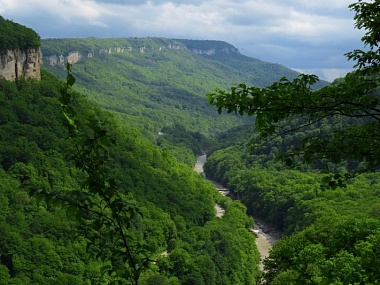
(156, 82)
(41, 244)
(226, 57)
(86, 199)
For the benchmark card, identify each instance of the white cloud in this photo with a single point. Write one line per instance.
(8, 4)
(328, 74)
(322, 4)
(300, 33)
(66, 10)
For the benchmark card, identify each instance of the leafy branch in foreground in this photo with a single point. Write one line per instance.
(273, 105)
(353, 99)
(109, 219)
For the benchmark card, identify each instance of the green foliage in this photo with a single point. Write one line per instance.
(324, 226)
(274, 105)
(40, 244)
(160, 88)
(181, 141)
(102, 210)
(175, 203)
(327, 254)
(366, 14)
(354, 96)
(16, 36)
(221, 252)
(331, 231)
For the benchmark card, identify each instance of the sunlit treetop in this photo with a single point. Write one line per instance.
(16, 36)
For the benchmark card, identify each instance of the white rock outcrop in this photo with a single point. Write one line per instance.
(20, 63)
(74, 57)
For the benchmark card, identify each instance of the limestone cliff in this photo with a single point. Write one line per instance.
(212, 51)
(16, 63)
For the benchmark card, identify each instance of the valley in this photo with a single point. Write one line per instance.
(265, 238)
(162, 86)
(103, 166)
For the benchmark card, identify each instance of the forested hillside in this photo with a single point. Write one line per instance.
(153, 83)
(310, 167)
(332, 235)
(97, 185)
(58, 155)
(40, 244)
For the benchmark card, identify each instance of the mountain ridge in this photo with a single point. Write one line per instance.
(205, 47)
(156, 82)
(72, 50)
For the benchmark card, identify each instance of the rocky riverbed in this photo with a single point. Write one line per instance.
(265, 235)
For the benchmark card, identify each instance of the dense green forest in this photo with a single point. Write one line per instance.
(16, 36)
(331, 235)
(162, 86)
(309, 166)
(42, 244)
(97, 185)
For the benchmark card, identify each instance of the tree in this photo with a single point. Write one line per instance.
(353, 99)
(13, 35)
(110, 220)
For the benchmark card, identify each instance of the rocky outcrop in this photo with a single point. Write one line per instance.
(56, 60)
(74, 56)
(20, 63)
(206, 52)
(212, 51)
(230, 50)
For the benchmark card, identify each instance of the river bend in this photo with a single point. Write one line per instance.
(264, 238)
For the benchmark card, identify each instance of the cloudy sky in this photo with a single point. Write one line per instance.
(309, 36)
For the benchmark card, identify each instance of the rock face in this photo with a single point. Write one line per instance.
(20, 63)
(212, 51)
(198, 48)
(74, 57)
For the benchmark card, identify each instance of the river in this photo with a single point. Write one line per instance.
(265, 236)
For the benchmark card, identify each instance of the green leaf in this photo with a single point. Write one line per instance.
(69, 120)
(70, 80)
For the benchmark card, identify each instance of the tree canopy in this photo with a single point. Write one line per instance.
(52, 243)
(16, 36)
(353, 97)
(330, 236)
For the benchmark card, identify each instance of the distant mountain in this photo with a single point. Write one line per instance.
(156, 82)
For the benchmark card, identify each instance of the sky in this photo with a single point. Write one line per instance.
(308, 36)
